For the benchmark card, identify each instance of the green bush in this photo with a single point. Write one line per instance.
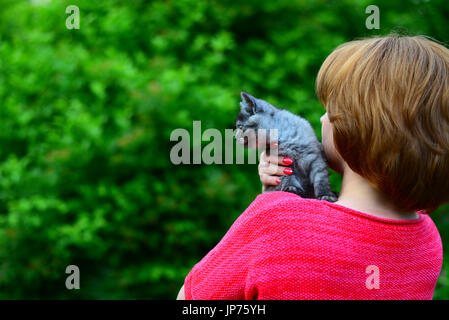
(86, 117)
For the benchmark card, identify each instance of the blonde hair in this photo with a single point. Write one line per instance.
(388, 101)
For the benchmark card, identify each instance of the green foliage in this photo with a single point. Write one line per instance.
(86, 117)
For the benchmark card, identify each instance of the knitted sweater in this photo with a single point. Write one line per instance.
(287, 247)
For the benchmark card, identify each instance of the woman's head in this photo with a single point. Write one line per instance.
(387, 99)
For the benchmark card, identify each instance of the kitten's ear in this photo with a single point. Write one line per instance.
(249, 103)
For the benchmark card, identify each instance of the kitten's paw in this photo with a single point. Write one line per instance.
(329, 198)
(293, 189)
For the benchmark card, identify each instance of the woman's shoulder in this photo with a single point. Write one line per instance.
(284, 202)
(279, 205)
(280, 198)
(275, 206)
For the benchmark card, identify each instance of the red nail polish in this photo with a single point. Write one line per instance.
(288, 171)
(278, 181)
(287, 161)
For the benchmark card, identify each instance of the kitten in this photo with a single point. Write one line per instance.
(296, 140)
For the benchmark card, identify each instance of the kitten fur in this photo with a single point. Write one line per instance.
(296, 140)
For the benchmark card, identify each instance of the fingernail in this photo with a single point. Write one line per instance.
(288, 171)
(287, 161)
(278, 181)
(274, 145)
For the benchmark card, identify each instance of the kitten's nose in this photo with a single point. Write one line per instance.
(239, 136)
(238, 133)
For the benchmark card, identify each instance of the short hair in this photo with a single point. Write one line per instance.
(388, 101)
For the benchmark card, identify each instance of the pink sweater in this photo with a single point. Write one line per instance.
(287, 247)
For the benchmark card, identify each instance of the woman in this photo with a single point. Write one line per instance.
(386, 131)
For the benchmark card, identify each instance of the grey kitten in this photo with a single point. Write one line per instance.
(296, 140)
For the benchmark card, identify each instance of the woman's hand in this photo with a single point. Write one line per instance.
(271, 168)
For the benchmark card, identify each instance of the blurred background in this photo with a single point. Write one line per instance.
(86, 117)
